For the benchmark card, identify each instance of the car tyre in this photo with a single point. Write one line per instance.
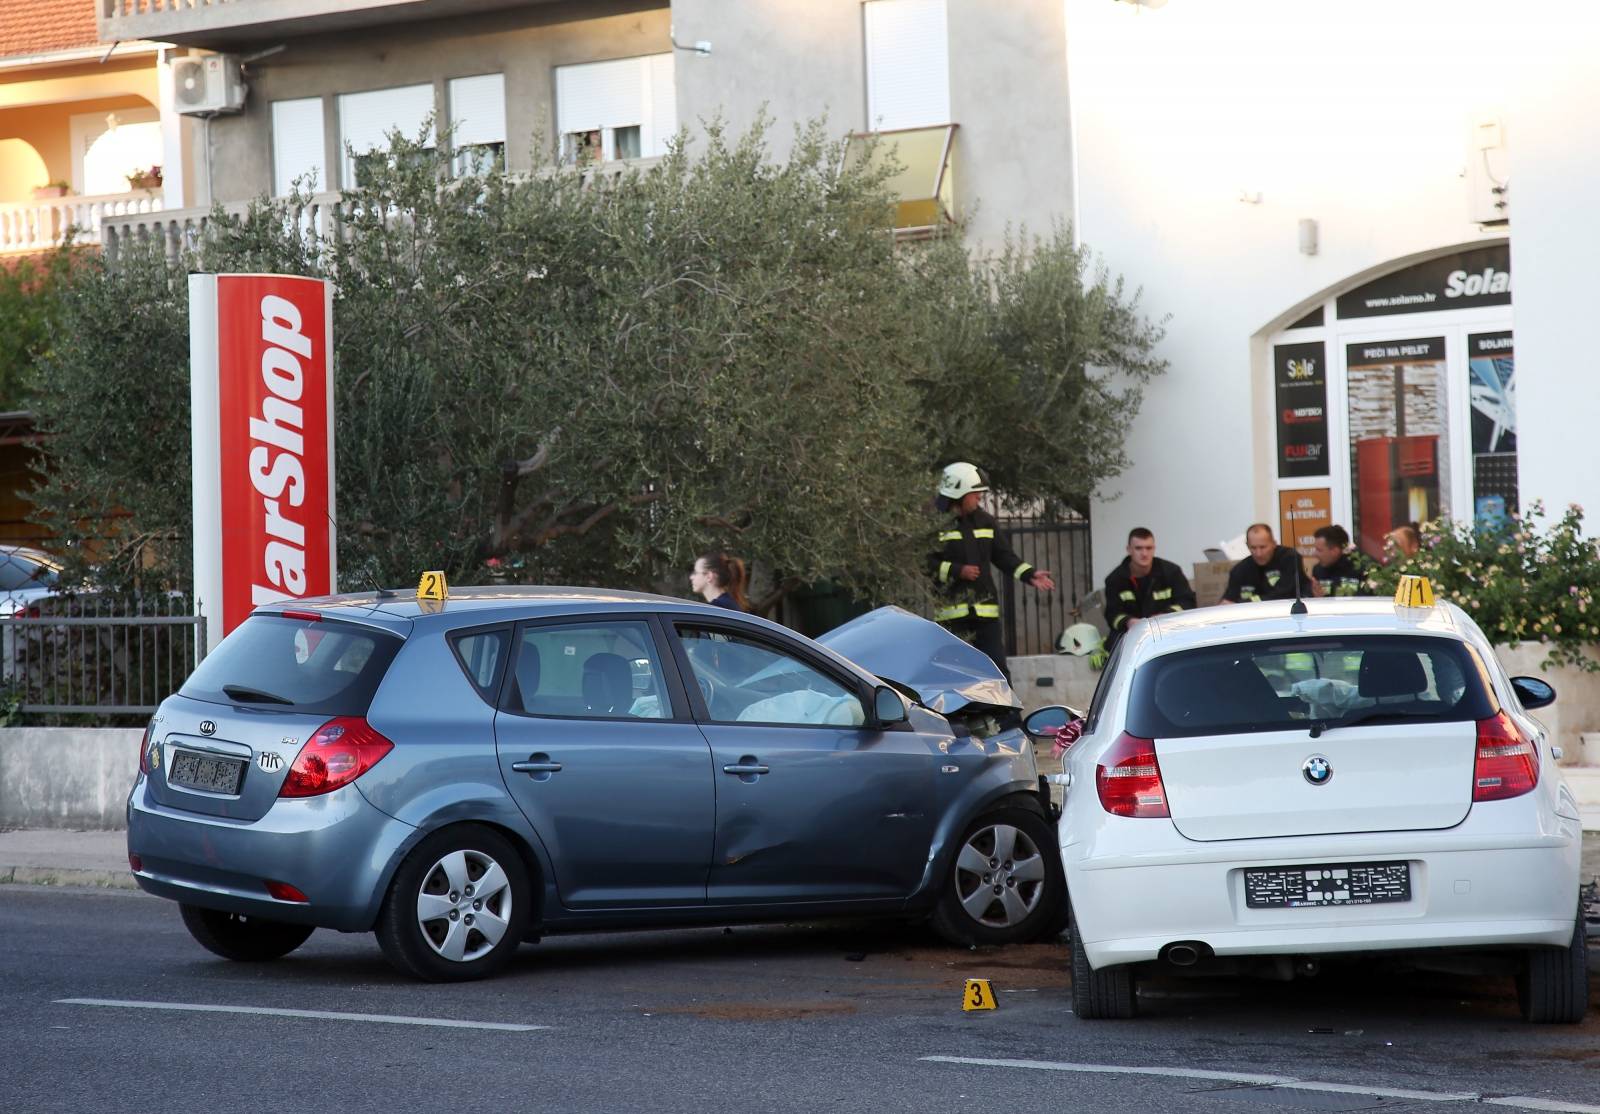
(1009, 856)
(1553, 985)
(457, 907)
(1099, 995)
(242, 938)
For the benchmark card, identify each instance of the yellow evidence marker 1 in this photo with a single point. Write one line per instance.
(979, 995)
(1414, 591)
(432, 586)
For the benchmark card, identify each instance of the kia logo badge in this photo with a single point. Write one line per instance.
(1317, 770)
(269, 762)
(207, 727)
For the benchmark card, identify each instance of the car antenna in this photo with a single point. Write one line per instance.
(1299, 607)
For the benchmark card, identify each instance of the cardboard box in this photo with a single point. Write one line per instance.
(1210, 580)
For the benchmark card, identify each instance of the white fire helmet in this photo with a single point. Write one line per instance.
(960, 478)
(1081, 639)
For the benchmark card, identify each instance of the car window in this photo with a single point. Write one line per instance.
(1102, 689)
(481, 654)
(18, 572)
(744, 680)
(1273, 686)
(588, 671)
(320, 666)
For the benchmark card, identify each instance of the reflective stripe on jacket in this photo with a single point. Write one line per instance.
(973, 540)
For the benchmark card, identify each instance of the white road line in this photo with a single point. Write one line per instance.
(323, 1015)
(1276, 1081)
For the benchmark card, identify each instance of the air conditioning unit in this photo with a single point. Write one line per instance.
(208, 85)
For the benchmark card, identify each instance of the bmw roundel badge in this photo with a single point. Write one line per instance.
(1317, 770)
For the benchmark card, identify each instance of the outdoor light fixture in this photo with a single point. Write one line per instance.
(702, 47)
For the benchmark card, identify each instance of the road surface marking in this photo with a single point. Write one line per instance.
(1276, 1081)
(325, 1015)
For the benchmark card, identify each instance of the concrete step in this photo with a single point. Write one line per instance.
(1584, 781)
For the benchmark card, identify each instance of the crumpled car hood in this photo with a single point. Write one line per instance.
(946, 673)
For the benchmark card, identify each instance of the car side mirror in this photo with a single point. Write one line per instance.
(888, 707)
(1043, 723)
(1533, 692)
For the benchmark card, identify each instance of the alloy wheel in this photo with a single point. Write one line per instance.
(999, 876)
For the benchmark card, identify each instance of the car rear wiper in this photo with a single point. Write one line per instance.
(253, 696)
(1318, 726)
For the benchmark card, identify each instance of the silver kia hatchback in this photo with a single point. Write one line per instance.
(460, 776)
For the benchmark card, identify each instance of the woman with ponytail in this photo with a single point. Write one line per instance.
(720, 580)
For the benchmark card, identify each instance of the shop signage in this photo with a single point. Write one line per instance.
(1300, 382)
(1301, 514)
(1468, 279)
(261, 390)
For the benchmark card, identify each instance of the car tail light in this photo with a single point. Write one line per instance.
(285, 892)
(1507, 764)
(303, 616)
(1128, 779)
(342, 750)
(144, 747)
(135, 863)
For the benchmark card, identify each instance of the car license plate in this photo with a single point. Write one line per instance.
(209, 772)
(1302, 887)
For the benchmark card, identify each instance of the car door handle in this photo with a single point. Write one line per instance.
(536, 767)
(744, 768)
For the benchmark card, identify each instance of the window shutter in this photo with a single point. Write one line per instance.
(298, 145)
(365, 119)
(478, 109)
(908, 64)
(600, 95)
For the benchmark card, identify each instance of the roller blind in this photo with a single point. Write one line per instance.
(298, 145)
(908, 64)
(663, 122)
(478, 109)
(365, 119)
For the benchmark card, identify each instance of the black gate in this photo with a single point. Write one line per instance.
(1033, 619)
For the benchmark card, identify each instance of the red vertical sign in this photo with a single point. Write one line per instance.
(272, 448)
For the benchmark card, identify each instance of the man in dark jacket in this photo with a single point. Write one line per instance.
(1336, 572)
(1269, 573)
(969, 602)
(1143, 585)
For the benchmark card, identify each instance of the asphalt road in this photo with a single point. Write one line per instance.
(783, 1018)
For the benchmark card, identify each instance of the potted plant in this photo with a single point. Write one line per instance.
(147, 178)
(57, 188)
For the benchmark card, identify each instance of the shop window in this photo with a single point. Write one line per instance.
(367, 119)
(1492, 392)
(623, 109)
(908, 64)
(1399, 436)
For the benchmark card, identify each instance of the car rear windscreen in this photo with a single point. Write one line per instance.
(324, 667)
(1294, 683)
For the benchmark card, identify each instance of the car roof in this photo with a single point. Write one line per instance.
(1249, 622)
(400, 609)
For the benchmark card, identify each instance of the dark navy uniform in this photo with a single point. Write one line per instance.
(1164, 588)
(1275, 580)
(971, 608)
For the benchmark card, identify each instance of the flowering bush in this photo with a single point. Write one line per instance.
(1524, 582)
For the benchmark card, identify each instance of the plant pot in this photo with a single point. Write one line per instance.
(144, 183)
(46, 193)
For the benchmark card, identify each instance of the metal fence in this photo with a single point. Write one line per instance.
(1034, 620)
(96, 655)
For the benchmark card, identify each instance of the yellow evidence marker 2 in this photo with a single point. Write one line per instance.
(1414, 591)
(432, 586)
(979, 995)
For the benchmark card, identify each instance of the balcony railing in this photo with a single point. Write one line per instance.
(321, 218)
(40, 225)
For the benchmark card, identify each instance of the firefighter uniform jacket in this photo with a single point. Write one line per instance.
(1275, 580)
(972, 540)
(1163, 589)
(1342, 578)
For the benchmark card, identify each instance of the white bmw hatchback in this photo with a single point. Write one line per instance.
(1359, 778)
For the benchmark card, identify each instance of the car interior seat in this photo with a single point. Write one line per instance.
(1391, 676)
(527, 674)
(607, 685)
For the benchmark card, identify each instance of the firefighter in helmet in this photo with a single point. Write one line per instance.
(969, 542)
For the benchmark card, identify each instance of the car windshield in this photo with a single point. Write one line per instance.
(19, 571)
(1312, 683)
(324, 667)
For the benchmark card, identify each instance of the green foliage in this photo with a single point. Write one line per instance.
(562, 381)
(30, 300)
(1039, 361)
(1527, 582)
